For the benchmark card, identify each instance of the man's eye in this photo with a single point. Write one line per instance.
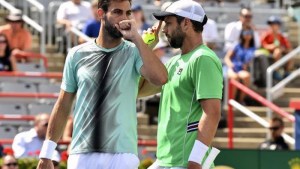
(118, 12)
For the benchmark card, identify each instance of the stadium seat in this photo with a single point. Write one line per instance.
(36, 108)
(30, 67)
(13, 108)
(7, 132)
(48, 88)
(24, 128)
(18, 87)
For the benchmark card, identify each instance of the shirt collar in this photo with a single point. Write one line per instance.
(32, 133)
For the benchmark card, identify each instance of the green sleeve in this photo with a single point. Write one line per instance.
(207, 77)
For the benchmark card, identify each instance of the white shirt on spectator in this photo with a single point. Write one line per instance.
(27, 144)
(210, 32)
(232, 35)
(77, 14)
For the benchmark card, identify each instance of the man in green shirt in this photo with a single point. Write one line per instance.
(190, 102)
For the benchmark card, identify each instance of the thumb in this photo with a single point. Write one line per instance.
(118, 27)
(158, 29)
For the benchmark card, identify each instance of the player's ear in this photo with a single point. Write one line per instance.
(100, 13)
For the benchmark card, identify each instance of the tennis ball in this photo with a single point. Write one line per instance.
(148, 38)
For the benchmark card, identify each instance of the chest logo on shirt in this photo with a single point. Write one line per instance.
(179, 71)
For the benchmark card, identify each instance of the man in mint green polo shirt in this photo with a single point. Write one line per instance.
(103, 75)
(190, 105)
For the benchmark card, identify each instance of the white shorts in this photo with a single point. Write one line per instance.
(103, 161)
(155, 165)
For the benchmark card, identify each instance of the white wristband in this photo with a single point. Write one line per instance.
(210, 158)
(48, 149)
(198, 152)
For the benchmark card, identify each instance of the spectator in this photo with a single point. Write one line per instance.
(233, 30)
(29, 143)
(210, 34)
(140, 19)
(7, 60)
(276, 142)
(276, 43)
(74, 13)
(237, 60)
(92, 27)
(18, 37)
(9, 162)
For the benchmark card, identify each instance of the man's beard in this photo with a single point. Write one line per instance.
(112, 30)
(176, 40)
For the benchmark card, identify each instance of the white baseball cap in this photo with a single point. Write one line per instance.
(184, 8)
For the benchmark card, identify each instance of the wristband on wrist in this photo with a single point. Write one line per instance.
(198, 152)
(48, 149)
(210, 158)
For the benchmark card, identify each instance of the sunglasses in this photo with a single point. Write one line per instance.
(247, 16)
(274, 128)
(45, 125)
(11, 164)
(247, 32)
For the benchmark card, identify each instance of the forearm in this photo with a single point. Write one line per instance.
(64, 22)
(208, 123)
(147, 89)
(207, 128)
(269, 46)
(59, 116)
(228, 62)
(153, 70)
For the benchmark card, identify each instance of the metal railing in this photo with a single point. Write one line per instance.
(275, 91)
(53, 6)
(258, 119)
(41, 26)
(262, 100)
(73, 37)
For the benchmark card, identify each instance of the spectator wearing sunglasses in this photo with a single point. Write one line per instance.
(29, 143)
(233, 30)
(9, 162)
(238, 59)
(276, 142)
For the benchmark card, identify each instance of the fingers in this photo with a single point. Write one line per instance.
(159, 26)
(125, 25)
(118, 27)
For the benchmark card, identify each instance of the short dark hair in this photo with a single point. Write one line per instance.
(104, 4)
(197, 26)
(278, 119)
(242, 40)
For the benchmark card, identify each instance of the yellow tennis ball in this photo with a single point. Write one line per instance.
(148, 38)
